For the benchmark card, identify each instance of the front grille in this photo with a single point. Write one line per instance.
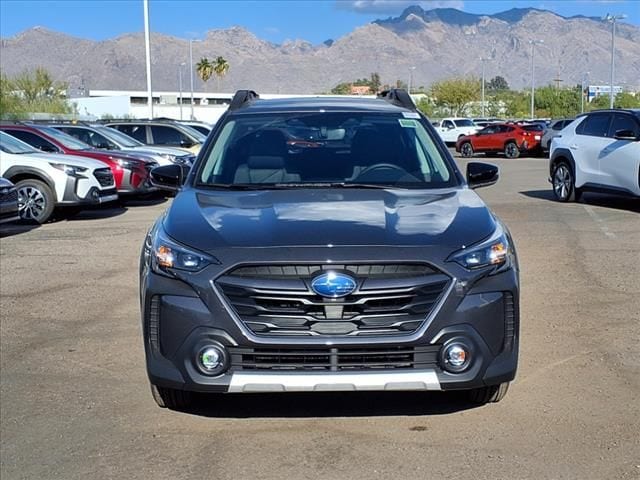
(11, 195)
(104, 176)
(335, 359)
(276, 300)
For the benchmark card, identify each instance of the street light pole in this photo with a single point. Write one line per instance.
(411, 69)
(180, 85)
(533, 44)
(191, 40)
(612, 19)
(584, 79)
(482, 105)
(147, 48)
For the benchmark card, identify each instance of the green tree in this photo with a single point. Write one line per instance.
(455, 94)
(374, 83)
(220, 68)
(557, 102)
(497, 84)
(205, 69)
(626, 100)
(32, 92)
(426, 106)
(516, 104)
(341, 89)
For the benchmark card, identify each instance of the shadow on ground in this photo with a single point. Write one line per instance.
(595, 199)
(16, 228)
(330, 404)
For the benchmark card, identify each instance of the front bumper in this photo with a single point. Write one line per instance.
(182, 315)
(94, 196)
(9, 211)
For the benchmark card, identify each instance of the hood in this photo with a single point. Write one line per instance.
(74, 160)
(320, 217)
(178, 152)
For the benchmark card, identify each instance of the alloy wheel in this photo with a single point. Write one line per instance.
(31, 203)
(511, 150)
(562, 182)
(467, 150)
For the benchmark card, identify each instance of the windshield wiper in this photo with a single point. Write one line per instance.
(286, 186)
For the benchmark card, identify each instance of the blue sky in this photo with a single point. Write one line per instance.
(276, 21)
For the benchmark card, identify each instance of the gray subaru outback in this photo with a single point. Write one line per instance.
(327, 244)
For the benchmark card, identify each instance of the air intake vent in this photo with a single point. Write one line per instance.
(153, 324)
(509, 321)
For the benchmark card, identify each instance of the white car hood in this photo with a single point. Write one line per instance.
(73, 160)
(178, 152)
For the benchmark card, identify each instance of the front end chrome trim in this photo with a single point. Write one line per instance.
(333, 382)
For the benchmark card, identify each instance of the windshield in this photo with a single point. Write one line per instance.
(535, 127)
(337, 149)
(116, 136)
(11, 144)
(68, 141)
(200, 138)
(464, 123)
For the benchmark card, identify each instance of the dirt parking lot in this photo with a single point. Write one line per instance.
(75, 403)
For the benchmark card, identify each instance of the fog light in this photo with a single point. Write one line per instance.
(212, 360)
(456, 357)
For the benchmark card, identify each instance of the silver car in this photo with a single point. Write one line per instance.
(553, 131)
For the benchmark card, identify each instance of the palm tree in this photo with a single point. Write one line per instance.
(205, 69)
(220, 67)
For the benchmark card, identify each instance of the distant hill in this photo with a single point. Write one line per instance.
(439, 43)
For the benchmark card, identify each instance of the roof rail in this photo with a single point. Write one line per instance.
(399, 97)
(242, 98)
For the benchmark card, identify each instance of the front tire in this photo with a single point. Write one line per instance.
(511, 150)
(171, 398)
(466, 150)
(490, 394)
(564, 184)
(36, 201)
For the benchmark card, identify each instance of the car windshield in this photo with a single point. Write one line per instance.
(116, 136)
(68, 141)
(464, 123)
(339, 149)
(200, 138)
(11, 144)
(535, 127)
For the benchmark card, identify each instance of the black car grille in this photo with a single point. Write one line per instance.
(104, 176)
(277, 300)
(335, 359)
(11, 195)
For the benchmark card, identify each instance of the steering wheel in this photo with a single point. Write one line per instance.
(382, 166)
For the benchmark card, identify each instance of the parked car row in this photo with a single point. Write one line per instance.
(71, 165)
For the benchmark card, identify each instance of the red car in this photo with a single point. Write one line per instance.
(509, 138)
(130, 173)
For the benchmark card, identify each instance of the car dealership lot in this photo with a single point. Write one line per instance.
(75, 401)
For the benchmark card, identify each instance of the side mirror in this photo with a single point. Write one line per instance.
(626, 135)
(48, 149)
(450, 127)
(186, 143)
(104, 146)
(481, 174)
(167, 177)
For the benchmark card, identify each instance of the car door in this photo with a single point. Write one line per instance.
(592, 137)
(619, 159)
(447, 132)
(481, 139)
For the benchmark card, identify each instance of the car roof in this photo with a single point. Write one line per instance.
(298, 104)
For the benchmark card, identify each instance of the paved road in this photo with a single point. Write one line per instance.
(75, 402)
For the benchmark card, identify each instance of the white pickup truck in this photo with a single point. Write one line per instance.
(450, 129)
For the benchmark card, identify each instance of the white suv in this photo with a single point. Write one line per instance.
(45, 181)
(450, 129)
(598, 152)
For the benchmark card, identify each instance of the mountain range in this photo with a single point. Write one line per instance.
(439, 43)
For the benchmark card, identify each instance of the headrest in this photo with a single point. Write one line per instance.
(268, 143)
(265, 162)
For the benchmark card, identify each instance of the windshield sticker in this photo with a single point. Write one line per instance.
(406, 123)
(410, 114)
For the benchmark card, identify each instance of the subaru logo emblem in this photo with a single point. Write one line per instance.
(333, 285)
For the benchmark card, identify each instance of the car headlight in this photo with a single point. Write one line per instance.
(168, 156)
(166, 256)
(130, 164)
(71, 170)
(494, 250)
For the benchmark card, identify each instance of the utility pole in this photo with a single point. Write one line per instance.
(584, 78)
(180, 85)
(191, 40)
(147, 48)
(612, 19)
(533, 44)
(411, 69)
(482, 105)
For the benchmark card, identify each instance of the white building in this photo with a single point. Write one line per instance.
(207, 107)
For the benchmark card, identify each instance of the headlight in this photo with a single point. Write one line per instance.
(168, 156)
(125, 163)
(166, 255)
(495, 250)
(70, 170)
